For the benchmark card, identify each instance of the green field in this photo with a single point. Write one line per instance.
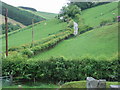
(97, 42)
(93, 15)
(46, 15)
(41, 31)
(100, 42)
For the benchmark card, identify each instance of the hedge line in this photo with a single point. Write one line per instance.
(42, 45)
(60, 69)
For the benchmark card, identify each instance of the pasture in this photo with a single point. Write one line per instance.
(100, 42)
(42, 30)
(95, 15)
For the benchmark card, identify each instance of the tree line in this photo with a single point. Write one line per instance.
(11, 27)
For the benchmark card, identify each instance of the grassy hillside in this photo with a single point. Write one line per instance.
(97, 42)
(95, 15)
(18, 15)
(45, 15)
(11, 21)
(42, 30)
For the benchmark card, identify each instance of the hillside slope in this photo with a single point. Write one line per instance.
(102, 41)
(45, 15)
(41, 30)
(95, 15)
(18, 15)
(97, 42)
(11, 21)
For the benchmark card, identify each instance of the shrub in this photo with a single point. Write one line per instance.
(36, 49)
(27, 52)
(84, 28)
(14, 48)
(70, 24)
(13, 65)
(115, 19)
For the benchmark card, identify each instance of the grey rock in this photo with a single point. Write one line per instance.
(93, 84)
(114, 86)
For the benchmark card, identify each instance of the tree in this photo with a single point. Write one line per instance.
(70, 10)
(86, 5)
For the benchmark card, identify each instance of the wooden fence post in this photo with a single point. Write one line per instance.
(6, 30)
(32, 32)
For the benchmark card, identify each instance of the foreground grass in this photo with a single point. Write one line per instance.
(37, 85)
(73, 84)
(95, 15)
(82, 84)
(101, 42)
(42, 30)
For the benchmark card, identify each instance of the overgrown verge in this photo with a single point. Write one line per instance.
(60, 69)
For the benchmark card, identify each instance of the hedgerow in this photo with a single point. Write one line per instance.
(60, 69)
(42, 45)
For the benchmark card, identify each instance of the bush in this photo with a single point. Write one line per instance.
(14, 48)
(70, 24)
(84, 28)
(13, 65)
(115, 19)
(27, 52)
